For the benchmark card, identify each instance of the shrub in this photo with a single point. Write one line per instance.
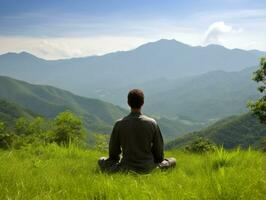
(29, 132)
(6, 139)
(101, 142)
(68, 129)
(200, 145)
(24, 127)
(21, 126)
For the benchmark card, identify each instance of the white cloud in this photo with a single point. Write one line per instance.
(248, 36)
(58, 48)
(215, 32)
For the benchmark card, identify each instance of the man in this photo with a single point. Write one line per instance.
(139, 139)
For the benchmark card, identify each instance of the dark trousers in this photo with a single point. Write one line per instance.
(107, 165)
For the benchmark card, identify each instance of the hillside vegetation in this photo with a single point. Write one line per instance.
(213, 95)
(10, 112)
(49, 101)
(97, 115)
(53, 172)
(243, 130)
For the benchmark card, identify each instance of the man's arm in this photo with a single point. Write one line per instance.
(157, 148)
(114, 144)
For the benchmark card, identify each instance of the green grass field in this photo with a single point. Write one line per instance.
(54, 172)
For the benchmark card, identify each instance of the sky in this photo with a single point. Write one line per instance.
(57, 29)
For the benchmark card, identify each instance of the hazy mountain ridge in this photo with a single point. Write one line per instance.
(181, 82)
(209, 96)
(160, 59)
(212, 95)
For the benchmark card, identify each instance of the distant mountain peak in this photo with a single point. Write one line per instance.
(19, 53)
(22, 55)
(169, 41)
(164, 43)
(216, 46)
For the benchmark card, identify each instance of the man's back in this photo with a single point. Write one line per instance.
(141, 141)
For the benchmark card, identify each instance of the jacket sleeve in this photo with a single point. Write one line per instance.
(158, 145)
(114, 144)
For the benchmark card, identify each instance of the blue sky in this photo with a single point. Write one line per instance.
(55, 29)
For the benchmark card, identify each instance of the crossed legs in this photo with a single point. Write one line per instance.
(111, 166)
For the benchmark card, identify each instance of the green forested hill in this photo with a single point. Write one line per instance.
(210, 96)
(214, 95)
(49, 101)
(9, 112)
(97, 115)
(172, 128)
(243, 130)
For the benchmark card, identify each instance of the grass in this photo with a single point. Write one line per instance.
(53, 172)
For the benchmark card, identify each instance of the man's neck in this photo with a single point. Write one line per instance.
(135, 110)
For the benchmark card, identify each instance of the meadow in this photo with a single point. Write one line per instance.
(54, 172)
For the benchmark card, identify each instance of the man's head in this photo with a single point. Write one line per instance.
(135, 98)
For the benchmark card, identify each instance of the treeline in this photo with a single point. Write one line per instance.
(65, 129)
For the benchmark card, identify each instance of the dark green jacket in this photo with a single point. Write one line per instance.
(139, 139)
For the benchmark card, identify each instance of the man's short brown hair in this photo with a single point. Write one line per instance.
(135, 98)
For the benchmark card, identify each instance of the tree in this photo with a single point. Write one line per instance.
(259, 107)
(25, 127)
(5, 138)
(37, 126)
(32, 131)
(68, 129)
(22, 126)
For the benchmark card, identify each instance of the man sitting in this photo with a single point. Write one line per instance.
(140, 140)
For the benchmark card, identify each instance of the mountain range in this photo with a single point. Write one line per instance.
(48, 101)
(206, 97)
(210, 96)
(196, 83)
(89, 76)
(186, 88)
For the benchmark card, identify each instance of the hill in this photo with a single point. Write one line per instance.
(206, 97)
(243, 130)
(9, 112)
(49, 101)
(89, 76)
(97, 115)
(171, 128)
(69, 173)
(210, 96)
